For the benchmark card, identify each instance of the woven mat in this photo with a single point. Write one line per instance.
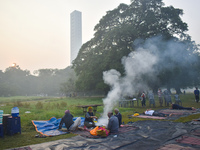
(175, 147)
(196, 132)
(22, 148)
(126, 128)
(189, 140)
(176, 112)
(149, 117)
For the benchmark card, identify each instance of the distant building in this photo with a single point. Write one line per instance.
(75, 33)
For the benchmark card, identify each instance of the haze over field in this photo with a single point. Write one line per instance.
(35, 34)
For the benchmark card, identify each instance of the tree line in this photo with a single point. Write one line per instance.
(15, 81)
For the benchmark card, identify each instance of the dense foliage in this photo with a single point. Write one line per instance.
(114, 38)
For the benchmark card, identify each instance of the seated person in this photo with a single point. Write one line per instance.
(176, 106)
(67, 119)
(113, 123)
(89, 116)
(155, 113)
(118, 115)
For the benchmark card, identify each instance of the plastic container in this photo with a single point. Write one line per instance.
(15, 111)
(95, 120)
(1, 116)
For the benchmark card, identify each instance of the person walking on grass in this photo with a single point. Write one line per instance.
(196, 93)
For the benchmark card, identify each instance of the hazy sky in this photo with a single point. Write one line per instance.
(35, 34)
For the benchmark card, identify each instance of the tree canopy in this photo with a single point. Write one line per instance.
(115, 35)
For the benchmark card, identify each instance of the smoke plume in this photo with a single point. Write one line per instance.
(148, 59)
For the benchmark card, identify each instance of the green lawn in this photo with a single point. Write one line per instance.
(44, 108)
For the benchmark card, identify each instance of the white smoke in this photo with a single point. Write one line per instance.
(154, 51)
(136, 64)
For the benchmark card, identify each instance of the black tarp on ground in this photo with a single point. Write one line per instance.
(150, 135)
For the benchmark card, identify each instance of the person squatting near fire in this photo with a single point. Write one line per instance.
(143, 99)
(160, 97)
(196, 93)
(113, 123)
(155, 113)
(89, 118)
(69, 123)
(118, 115)
(176, 106)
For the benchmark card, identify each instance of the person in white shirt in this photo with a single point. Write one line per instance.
(155, 113)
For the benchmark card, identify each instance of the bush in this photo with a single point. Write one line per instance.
(63, 104)
(39, 105)
(57, 105)
(48, 106)
(27, 105)
(18, 104)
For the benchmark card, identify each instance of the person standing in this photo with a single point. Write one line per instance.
(143, 99)
(160, 97)
(151, 99)
(196, 93)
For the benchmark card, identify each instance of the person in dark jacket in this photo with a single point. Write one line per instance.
(89, 118)
(118, 115)
(196, 93)
(176, 106)
(67, 119)
(113, 123)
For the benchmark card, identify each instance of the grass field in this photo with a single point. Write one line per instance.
(43, 108)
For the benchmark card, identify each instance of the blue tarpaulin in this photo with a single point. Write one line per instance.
(50, 127)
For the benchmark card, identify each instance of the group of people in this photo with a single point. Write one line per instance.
(151, 98)
(160, 97)
(114, 121)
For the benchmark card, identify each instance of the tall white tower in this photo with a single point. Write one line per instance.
(75, 33)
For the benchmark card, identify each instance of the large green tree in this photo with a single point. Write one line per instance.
(115, 34)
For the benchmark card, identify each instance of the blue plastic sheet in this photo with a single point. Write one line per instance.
(50, 127)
